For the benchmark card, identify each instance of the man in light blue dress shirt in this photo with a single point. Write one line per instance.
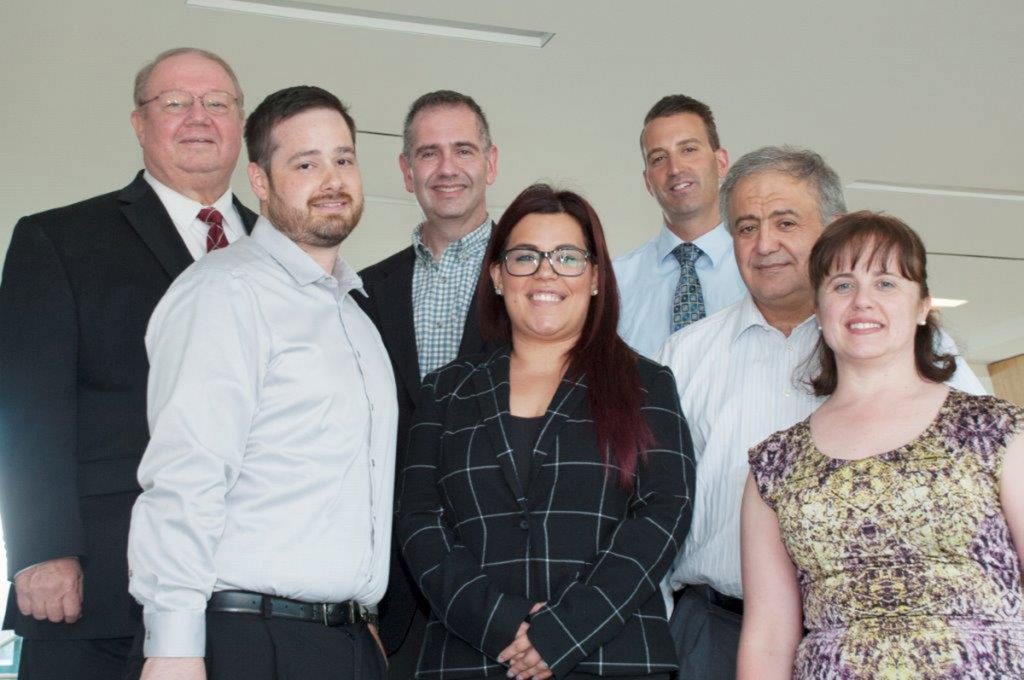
(683, 165)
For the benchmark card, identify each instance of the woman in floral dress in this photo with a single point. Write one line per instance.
(880, 535)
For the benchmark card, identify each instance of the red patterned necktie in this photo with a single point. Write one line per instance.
(215, 237)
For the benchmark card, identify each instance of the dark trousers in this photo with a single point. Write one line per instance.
(250, 647)
(79, 659)
(707, 636)
(402, 663)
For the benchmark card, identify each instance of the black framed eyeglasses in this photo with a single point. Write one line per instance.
(564, 260)
(177, 102)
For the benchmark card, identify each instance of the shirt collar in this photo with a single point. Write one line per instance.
(715, 244)
(182, 209)
(473, 243)
(749, 316)
(298, 263)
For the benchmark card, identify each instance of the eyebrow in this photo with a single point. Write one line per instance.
(435, 147)
(688, 140)
(774, 213)
(535, 247)
(340, 150)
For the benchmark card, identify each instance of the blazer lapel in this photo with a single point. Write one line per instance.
(490, 383)
(248, 217)
(567, 402)
(144, 211)
(394, 305)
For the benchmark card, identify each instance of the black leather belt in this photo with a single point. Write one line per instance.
(327, 613)
(729, 604)
(733, 605)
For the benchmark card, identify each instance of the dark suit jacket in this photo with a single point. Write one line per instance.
(485, 549)
(79, 285)
(388, 303)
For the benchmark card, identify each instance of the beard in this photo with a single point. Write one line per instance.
(325, 231)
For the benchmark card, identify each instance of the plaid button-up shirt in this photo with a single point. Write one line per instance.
(442, 293)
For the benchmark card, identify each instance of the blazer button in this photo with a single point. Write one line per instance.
(524, 525)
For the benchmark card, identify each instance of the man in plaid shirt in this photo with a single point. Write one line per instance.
(421, 298)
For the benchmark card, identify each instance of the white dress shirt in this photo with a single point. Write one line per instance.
(648, 277)
(740, 380)
(184, 214)
(272, 413)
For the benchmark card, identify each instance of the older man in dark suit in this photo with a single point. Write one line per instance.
(421, 298)
(79, 285)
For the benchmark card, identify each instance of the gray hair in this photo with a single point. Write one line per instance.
(144, 74)
(801, 164)
(441, 99)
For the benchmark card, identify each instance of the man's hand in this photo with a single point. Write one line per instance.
(173, 668)
(51, 590)
(376, 636)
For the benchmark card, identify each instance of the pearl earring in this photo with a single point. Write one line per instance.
(593, 292)
(497, 291)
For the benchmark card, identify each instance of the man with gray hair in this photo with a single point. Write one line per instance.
(79, 285)
(741, 376)
(421, 298)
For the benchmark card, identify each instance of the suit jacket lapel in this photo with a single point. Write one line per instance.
(490, 384)
(248, 217)
(394, 306)
(567, 402)
(144, 211)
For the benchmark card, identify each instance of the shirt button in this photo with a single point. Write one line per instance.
(524, 525)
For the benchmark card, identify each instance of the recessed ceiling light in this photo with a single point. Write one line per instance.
(947, 303)
(386, 21)
(936, 190)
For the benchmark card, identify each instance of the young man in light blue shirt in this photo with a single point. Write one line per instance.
(687, 271)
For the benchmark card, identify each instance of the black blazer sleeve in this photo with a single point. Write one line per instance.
(38, 404)
(626, 573)
(460, 593)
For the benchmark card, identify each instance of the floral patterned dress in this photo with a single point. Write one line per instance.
(905, 562)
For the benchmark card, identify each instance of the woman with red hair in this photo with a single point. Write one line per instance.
(548, 484)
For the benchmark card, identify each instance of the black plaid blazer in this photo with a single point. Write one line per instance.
(483, 549)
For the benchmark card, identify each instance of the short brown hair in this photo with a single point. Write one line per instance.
(280, 106)
(142, 77)
(876, 238)
(674, 104)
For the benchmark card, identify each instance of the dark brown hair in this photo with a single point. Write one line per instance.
(876, 238)
(281, 106)
(600, 356)
(673, 104)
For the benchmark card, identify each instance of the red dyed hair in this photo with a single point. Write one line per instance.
(600, 356)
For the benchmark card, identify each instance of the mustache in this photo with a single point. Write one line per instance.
(335, 196)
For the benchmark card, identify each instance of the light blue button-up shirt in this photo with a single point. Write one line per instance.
(648, 277)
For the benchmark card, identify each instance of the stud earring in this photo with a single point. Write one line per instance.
(497, 291)
(593, 292)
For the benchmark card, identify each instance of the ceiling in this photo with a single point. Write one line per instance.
(917, 92)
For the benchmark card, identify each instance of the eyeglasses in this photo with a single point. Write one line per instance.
(177, 102)
(564, 261)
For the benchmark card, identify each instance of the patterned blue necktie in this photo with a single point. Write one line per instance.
(688, 302)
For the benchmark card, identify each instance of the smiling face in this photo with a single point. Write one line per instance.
(681, 170)
(869, 311)
(192, 152)
(775, 221)
(449, 168)
(546, 306)
(313, 192)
